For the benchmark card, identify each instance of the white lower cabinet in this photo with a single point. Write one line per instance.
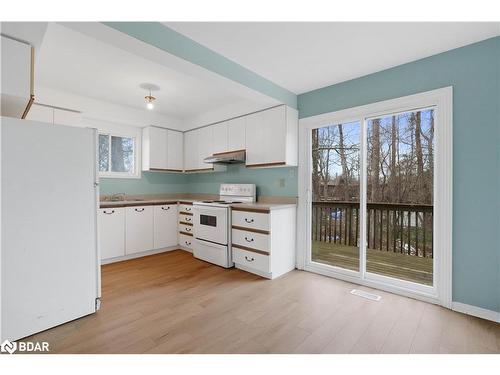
(263, 240)
(165, 226)
(111, 226)
(138, 229)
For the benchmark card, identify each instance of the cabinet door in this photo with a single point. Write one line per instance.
(205, 146)
(157, 148)
(138, 229)
(266, 137)
(41, 113)
(63, 117)
(165, 226)
(191, 150)
(175, 149)
(111, 228)
(219, 136)
(236, 134)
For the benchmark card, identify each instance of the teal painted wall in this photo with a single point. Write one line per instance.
(171, 41)
(474, 73)
(149, 183)
(270, 181)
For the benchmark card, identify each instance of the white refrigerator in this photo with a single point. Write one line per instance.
(50, 267)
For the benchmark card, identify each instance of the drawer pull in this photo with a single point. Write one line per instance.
(109, 212)
(248, 240)
(249, 259)
(187, 229)
(138, 209)
(166, 208)
(249, 221)
(188, 208)
(188, 219)
(187, 243)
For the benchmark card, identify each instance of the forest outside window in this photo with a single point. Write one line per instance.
(117, 156)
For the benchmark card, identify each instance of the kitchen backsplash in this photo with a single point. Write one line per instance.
(269, 181)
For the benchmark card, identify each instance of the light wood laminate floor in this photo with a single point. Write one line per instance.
(173, 303)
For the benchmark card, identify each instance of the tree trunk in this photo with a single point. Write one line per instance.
(421, 190)
(315, 162)
(343, 161)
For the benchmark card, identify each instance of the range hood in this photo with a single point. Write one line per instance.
(231, 157)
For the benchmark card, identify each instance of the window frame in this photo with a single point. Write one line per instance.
(136, 173)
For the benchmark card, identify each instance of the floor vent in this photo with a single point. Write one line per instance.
(366, 295)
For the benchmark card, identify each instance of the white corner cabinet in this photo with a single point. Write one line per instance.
(263, 240)
(162, 149)
(269, 137)
(53, 115)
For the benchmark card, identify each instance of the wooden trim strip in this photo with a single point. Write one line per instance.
(251, 230)
(28, 107)
(184, 223)
(186, 234)
(165, 170)
(185, 213)
(188, 203)
(135, 204)
(250, 249)
(227, 152)
(251, 209)
(199, 169)
(266, 164)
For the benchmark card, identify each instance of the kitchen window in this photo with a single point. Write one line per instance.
(117, 156)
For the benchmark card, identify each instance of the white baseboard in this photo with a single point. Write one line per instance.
(139, 255)
(476, 311)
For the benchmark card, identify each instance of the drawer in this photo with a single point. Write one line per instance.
(186, 228)
(183, 218)
(186, 241)
(250, 259)
(186, 208)
(254, 220)
(250, 239)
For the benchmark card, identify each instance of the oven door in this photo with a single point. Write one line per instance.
(210, 224)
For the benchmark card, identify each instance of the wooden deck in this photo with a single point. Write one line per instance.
(387, 263)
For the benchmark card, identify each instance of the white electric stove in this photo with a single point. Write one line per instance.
(212, 223)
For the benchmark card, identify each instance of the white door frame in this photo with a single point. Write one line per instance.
(441, 292)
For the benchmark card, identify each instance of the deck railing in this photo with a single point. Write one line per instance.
(401, 228)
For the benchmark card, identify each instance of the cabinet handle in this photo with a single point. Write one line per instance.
(188, 229)
(188, 243)
(138, 209)
(248, 240)
(166, 209)
(109, 213)
(188, 219)
(249, 220)
(188, 208)
(249, 259)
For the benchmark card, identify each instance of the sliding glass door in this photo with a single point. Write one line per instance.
(368, 189)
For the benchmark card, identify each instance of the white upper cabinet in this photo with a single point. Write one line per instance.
(205, 146)
(41, 113)
(220, 137)
(17, 77)
(191, 150)
(236, 134)
(52, 115)
(161, 149)
(175, 150)
(271, 137)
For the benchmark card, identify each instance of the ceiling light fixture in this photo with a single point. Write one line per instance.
(149, 101)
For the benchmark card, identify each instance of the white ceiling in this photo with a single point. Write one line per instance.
(73, 62)
(305, 56)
